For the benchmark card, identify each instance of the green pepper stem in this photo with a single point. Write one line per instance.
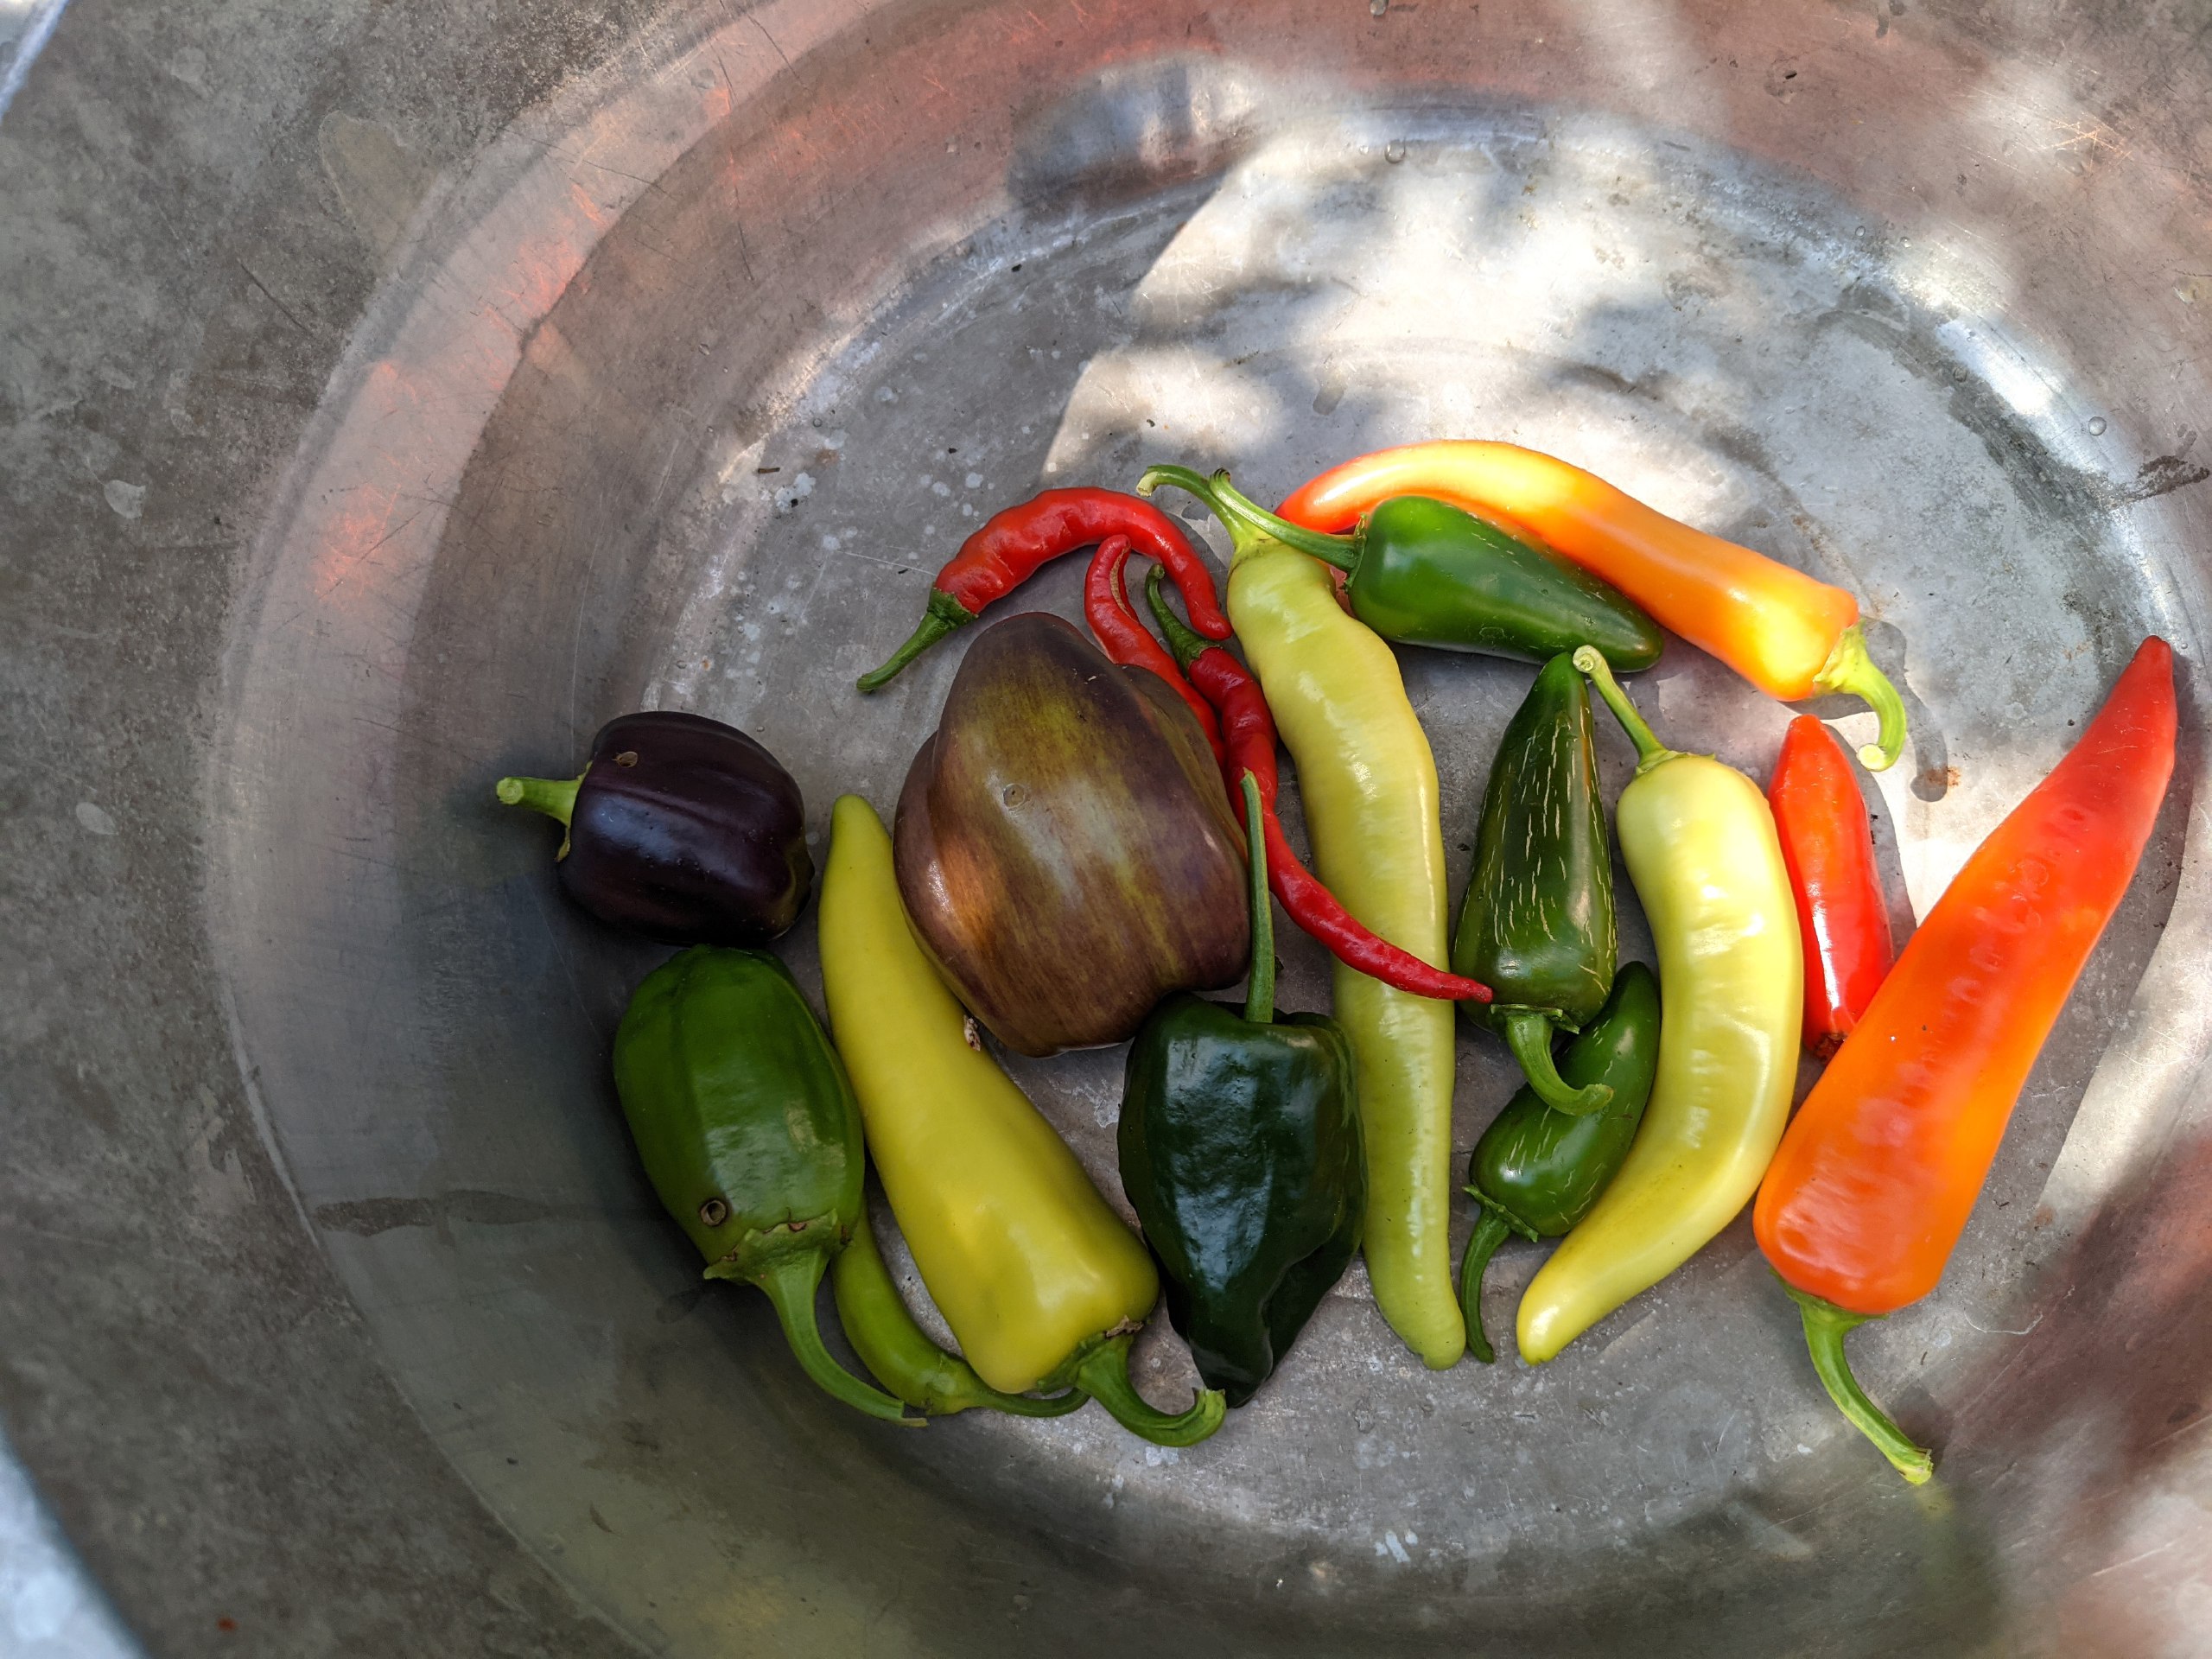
(1182, 639)
(555, 796)
(942, 615)
(1826, 1327)
(1342, 551)
(1528, 1034)
(1260, 991)
(1491, 1231)
(1247, 531)
(1850, 669)
(790, 1284)
(1649, 751)
(1101, 1369)
(899, 1352)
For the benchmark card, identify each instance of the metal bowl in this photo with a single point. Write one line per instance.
(397, 392)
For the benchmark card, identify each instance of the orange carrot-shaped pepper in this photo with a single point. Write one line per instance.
(1790, 635)
(1874, 1182)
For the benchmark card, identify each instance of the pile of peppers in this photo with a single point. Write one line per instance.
(1064, 873)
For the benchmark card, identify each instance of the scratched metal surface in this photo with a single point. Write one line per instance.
(675, 394)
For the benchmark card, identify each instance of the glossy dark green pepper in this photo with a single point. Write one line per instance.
(749, 1133)
(1426, 573)
(1240, 1151)
(1537, 923)
(1536, 1171)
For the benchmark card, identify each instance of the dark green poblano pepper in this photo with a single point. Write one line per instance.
(1536, 1171)
(1537, 923)
(1241, 1153)
(749, 1132)
(1426, 573)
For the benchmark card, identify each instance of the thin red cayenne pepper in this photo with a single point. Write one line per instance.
(1249, 745)
(1012, 545)
(1106, 605)
(1829, 848)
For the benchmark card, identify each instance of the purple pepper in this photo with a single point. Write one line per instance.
(681, 829)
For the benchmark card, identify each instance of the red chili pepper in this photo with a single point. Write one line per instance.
(1013, 543)
(1874, 1180)
(1106, 605)
(1829, 848)
(1249, 745)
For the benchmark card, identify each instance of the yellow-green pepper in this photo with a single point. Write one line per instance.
(1368, 781)
(1702, 849)
(1041, 1282)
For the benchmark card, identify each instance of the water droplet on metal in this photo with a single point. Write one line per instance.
(1394, 151)
(2096, 426)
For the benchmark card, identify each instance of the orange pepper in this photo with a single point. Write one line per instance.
(1790, 635)
(1874, 1181)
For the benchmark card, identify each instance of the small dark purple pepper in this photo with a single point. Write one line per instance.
(681, 829)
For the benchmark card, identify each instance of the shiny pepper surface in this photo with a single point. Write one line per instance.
(1537, 923)
(1042, 1283)
(1700, 846)
(1368, 782)
(748, 1131)
(1241, 1155)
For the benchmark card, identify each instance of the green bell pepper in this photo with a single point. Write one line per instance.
(1426, 573)
(1536, 1171)
(749, 1133)
(1537, 923)
(1240, 1153)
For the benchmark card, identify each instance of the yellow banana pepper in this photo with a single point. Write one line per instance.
(1041, 1282)
(1368, 781)
(1702, 849)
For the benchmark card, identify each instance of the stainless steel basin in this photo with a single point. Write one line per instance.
(393, 392)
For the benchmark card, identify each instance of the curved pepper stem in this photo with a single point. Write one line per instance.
(1490, 1231)
(1260, 990)
(1649, 751)
(1246, 524)
(555, 796)
(944, 615)
(1182, 639)
(1850, 669)
(1101, 1369)
(1342, 551)
(1826, 1327)
(1529, 1034)
(790, 1284)
(899, 1352)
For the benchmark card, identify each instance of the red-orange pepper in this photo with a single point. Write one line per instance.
(1874, 1182)
(1828, 845)
(1791, 636)
(1010, 545)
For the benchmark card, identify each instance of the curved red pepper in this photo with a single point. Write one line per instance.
(1123, 639)
(1249, 745)
(1013, 543)
(1829, 848)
